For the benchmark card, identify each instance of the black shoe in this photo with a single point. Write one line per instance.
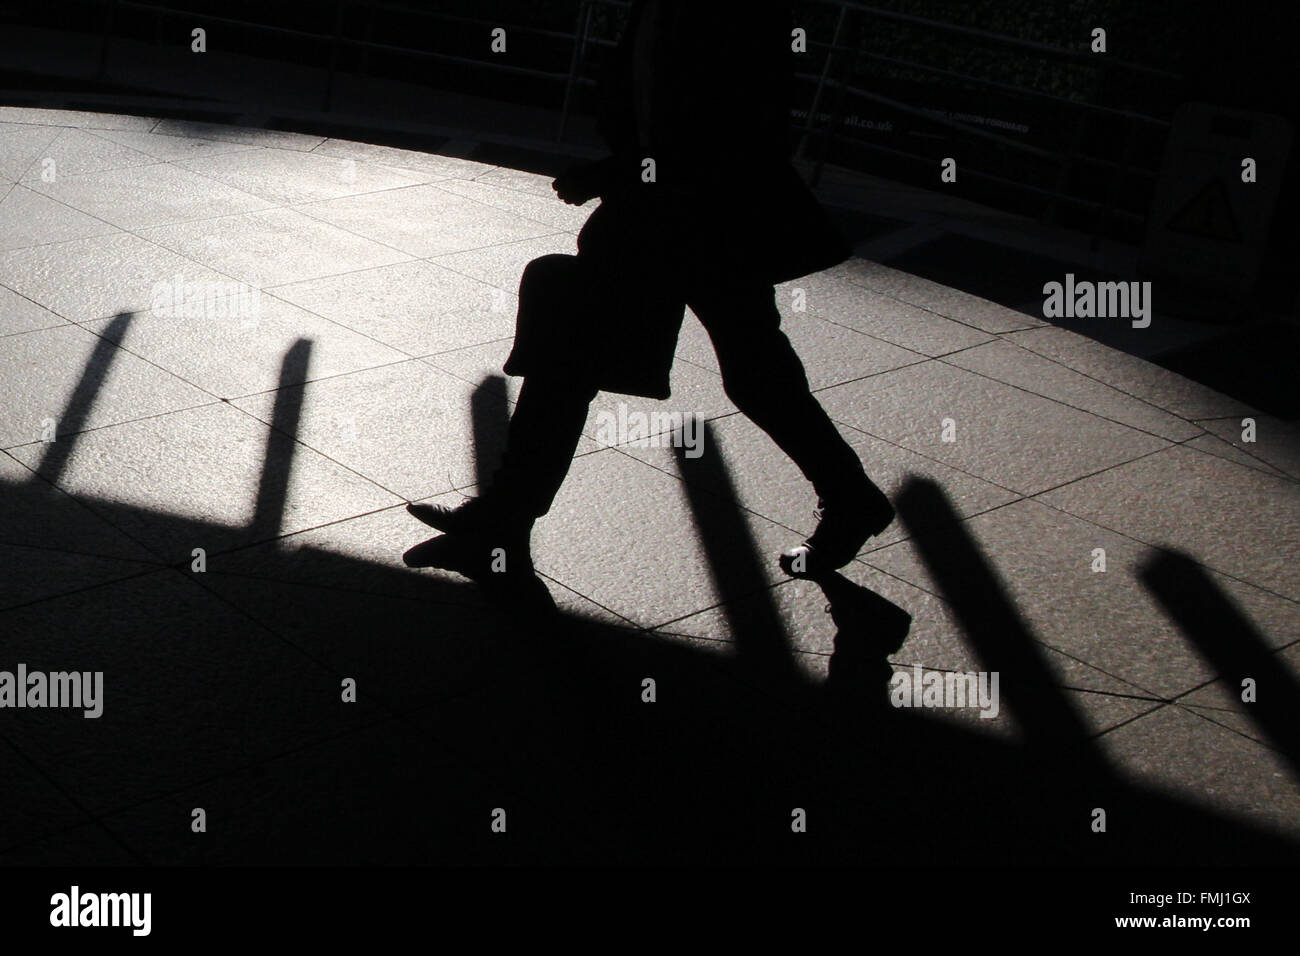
(484, 538)
(843, 527)
(473, 516)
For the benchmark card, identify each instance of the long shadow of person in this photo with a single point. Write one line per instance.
(700, 207)
(716, 771)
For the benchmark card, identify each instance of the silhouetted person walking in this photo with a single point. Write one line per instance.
(700, 207)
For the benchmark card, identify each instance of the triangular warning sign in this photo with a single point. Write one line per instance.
(1207, 214)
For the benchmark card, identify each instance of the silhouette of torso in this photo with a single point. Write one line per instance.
(702, 87)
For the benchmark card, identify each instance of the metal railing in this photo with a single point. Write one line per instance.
(831, 134)
(833, 86)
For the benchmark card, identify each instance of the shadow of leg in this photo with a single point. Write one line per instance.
(868, 630)
(501, 568)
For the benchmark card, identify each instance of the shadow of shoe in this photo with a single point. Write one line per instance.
(868, 629)
(502, 573)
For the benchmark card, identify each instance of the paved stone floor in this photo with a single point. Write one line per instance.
(218, 527)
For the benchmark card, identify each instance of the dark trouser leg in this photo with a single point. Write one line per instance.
(763, 376)
(542, 437)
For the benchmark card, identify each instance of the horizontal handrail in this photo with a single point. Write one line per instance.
(356, 42)
(1018, 184)
(365, 4)
(999, 38)
(996, 84)
(457, 18)
(930, 115)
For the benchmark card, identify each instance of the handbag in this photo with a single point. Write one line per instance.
(610, 315)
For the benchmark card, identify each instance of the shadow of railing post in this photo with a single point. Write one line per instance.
(1230, 643)
(1000, 638)
(762, 645)
(489, 424)
(72, 420)
(995, 784)
(277, 464)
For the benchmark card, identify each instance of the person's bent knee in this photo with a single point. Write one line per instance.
(548, 272)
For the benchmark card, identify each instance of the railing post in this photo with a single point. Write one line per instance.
(821, 83)
(837, 112)
(580, 27)
(334, 54)
(369, 37)
(107, 39)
